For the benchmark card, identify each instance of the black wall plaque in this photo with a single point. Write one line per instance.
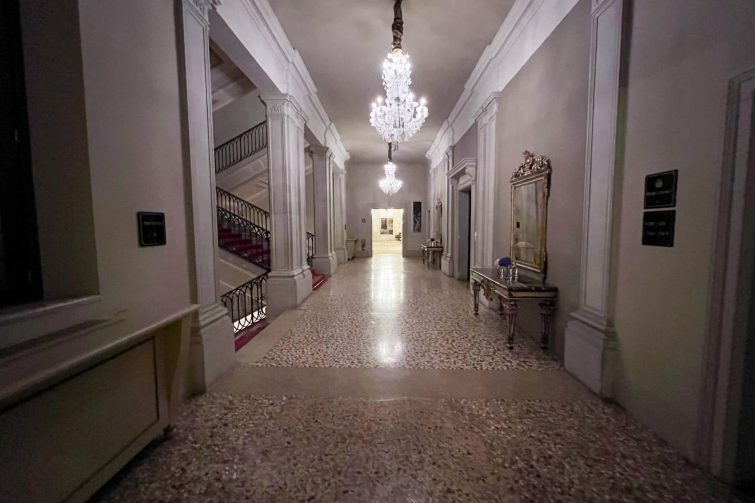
(151, 228)
(658, 228)
(660, 190)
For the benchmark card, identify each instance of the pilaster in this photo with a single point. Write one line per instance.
(339, 189)
(324, 260)
(449, 209)
(212, 338)
(290, 280)
(483, 232)
(590, 339)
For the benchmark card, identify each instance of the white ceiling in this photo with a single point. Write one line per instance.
(343, 43)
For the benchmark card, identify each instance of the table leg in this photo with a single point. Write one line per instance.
(500, 306)
(547, 309)
(423, 256)
(476, 296)
(512, 306)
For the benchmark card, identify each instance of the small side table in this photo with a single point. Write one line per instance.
(431, 255)
(509, 294)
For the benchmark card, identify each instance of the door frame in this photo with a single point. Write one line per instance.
(730, 292)
(461, 177)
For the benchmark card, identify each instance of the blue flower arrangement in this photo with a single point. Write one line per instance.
(506, 269)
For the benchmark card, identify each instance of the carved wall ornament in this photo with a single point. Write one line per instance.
(532, 164)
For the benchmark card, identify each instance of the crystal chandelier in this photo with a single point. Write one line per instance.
(399, 116)
(390, 184)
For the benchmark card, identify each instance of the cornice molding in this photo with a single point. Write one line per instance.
(466, 165)
(284, 67)
(526, 27)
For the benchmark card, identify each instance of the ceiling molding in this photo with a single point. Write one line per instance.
(273, 53)
(526, 27)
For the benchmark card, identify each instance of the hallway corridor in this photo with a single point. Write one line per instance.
(383, 386)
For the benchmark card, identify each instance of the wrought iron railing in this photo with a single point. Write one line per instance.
(247, 304)
(310, 247)
(242, 146)
(244, 209)
(252, 242)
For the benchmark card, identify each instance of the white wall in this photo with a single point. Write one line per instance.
(363, 194)
(238, 116)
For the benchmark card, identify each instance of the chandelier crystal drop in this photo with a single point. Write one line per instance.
(399, 116)
(390, 185)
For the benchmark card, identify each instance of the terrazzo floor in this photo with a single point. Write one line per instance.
(392, 312)
(337, 401)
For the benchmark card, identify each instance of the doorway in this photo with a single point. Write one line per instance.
(387, 231)
(728, 399)
(465, 226)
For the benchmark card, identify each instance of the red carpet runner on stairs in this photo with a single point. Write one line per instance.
(317, 279)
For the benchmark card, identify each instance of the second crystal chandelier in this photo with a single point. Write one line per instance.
(399, 116)
(390, 185)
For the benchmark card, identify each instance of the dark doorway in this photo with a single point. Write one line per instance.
(465, 233)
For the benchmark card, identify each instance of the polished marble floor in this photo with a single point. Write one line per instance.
(384, 387)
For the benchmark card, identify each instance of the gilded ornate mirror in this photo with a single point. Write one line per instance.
(530, 187)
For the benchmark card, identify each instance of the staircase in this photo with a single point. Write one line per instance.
(244, 231)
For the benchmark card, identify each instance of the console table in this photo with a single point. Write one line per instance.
(509, 294)
(429, 254)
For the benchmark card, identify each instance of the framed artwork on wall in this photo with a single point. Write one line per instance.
(386, 226)
(417, 216)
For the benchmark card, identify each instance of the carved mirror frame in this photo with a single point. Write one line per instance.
(533, 169)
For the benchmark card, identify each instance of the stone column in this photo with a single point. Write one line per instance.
(590, 345)
(290, 280)
(339, 216)
(449, 236)
(212, 349)
(483, 232)
(324, 260)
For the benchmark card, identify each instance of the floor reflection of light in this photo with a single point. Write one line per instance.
(389, 351)
(386, 283)
(387, 298)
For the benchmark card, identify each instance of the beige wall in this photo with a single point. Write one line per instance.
(60, 158)
(544, 110)
(682, 55)
(467, 145)
(363, 194)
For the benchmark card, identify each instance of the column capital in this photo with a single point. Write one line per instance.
(488, 109)
(284, 104)
(200, 9)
